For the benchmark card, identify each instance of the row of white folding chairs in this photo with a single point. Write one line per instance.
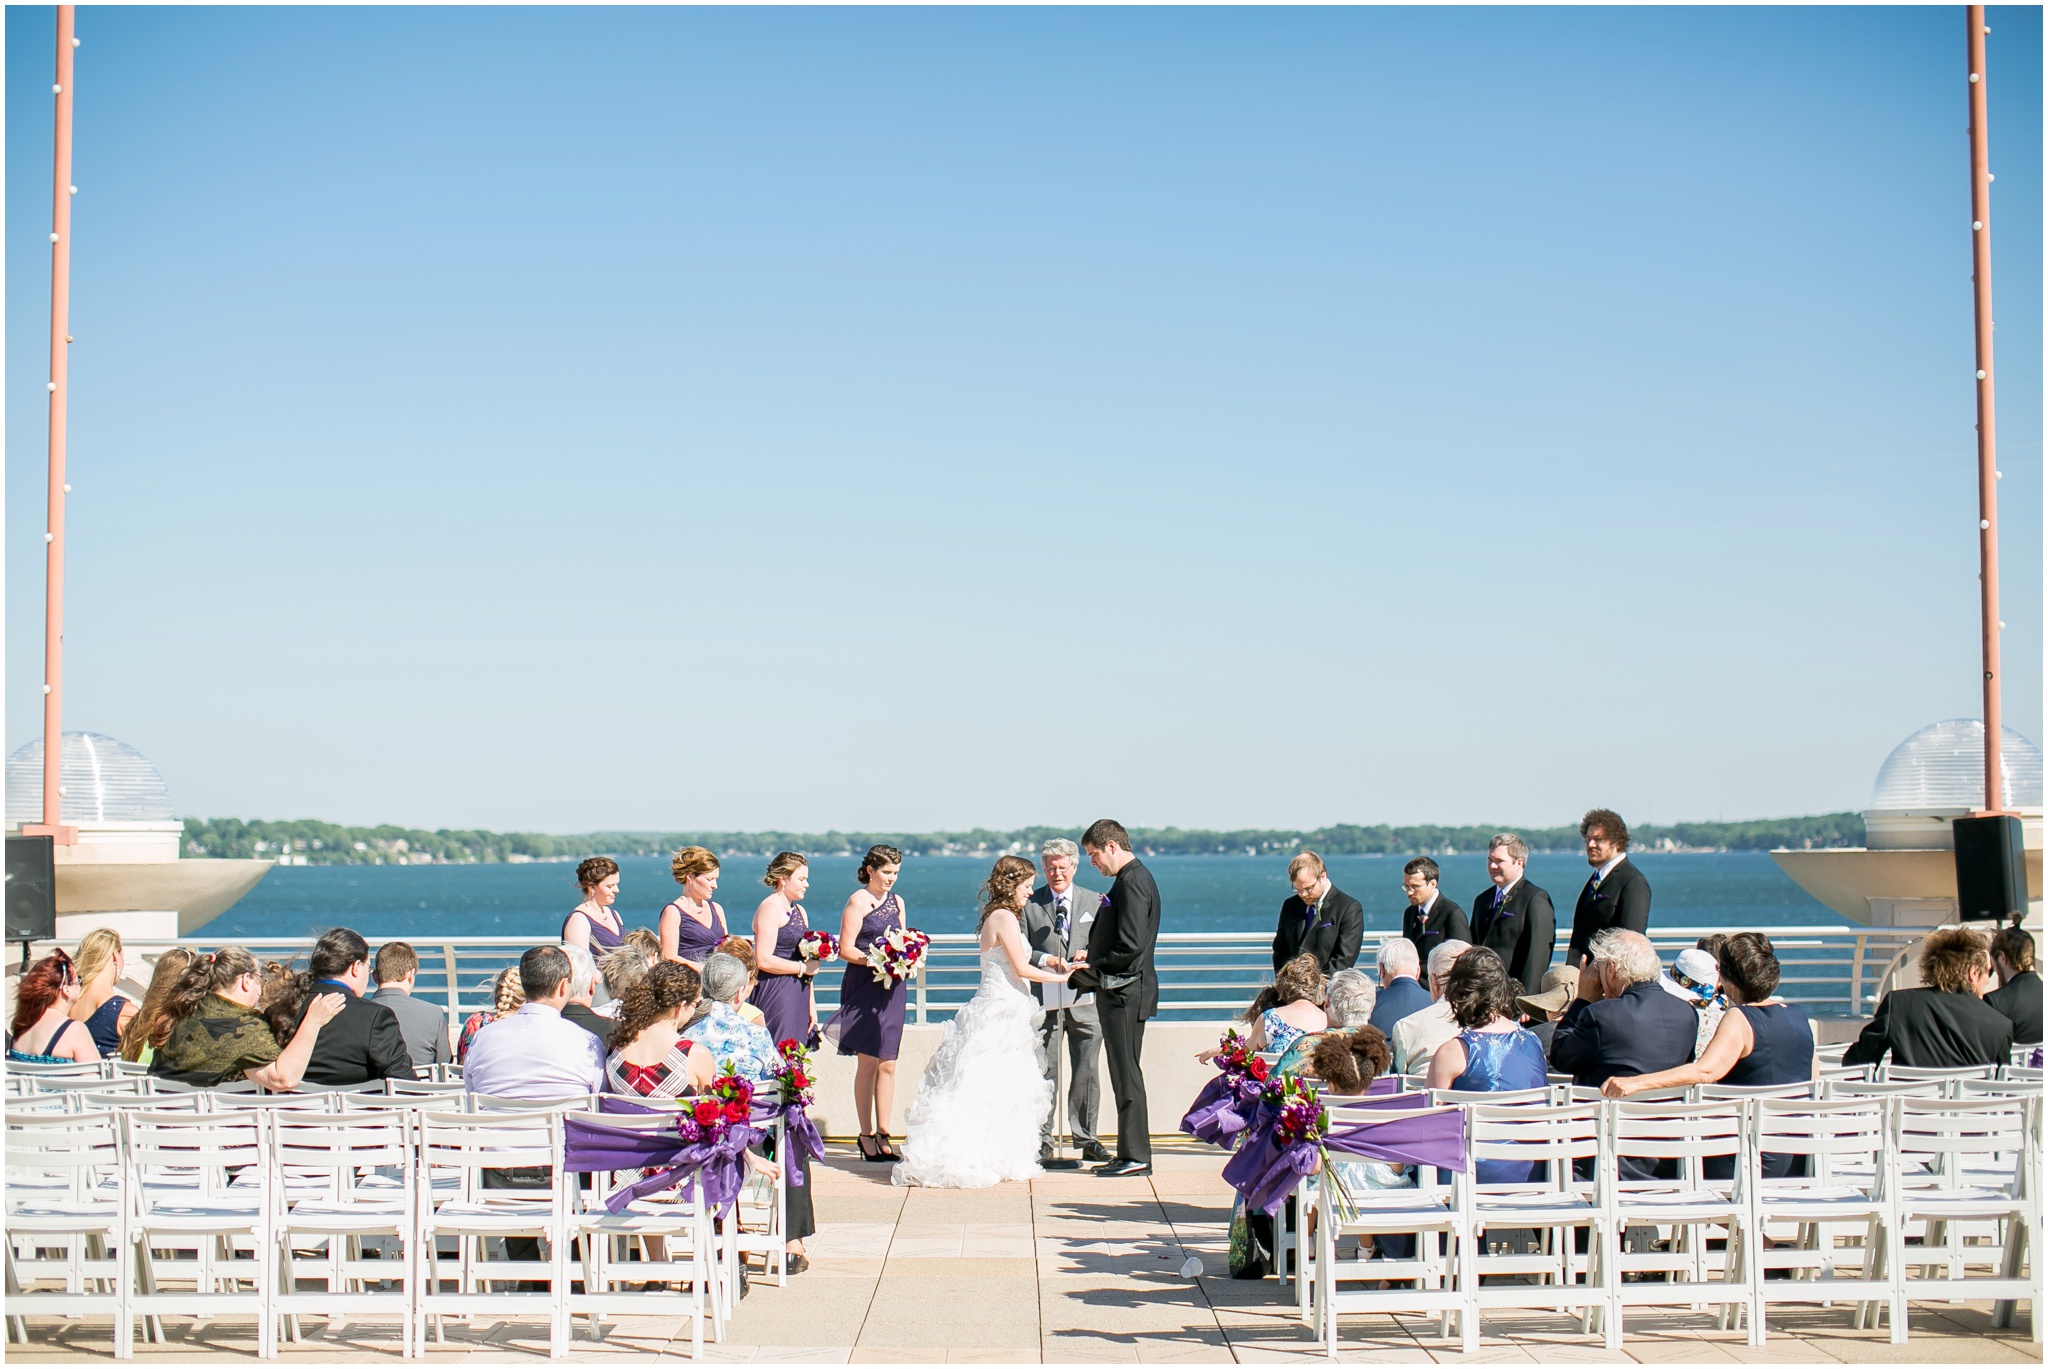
(1877, 1166)
(277, 1178)
(24, 1077)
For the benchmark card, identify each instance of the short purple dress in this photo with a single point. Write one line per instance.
(695, 941)
(784, 999)
(870, 1017)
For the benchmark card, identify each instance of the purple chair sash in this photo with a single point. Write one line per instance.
(1227, 1105)
(1265, 1172)
(719, 1171)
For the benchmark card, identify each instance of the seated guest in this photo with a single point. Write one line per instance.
(1430, 919)
(1541, 1011)
(164, 976)
(1401, 991)
(1492, 1052)
(424, 1026)
(650, 1057)
(1761, 1040)
(536, 1052)
(1318, 920)
(1348, 1062)
(506, 996)
(2019, 996)
(1696, 979)
(583, 988)
(1946, 1025)
(621, 970)
(364, 1042)
(210, 1032)
(1347, 1002)
(720, 1029)
(742, 950)
(283, 994)
(1285, 1010)
(1621, 1021)
(43, 1032)
(1417, 1035)
(100, 1006)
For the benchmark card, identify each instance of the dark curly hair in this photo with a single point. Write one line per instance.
(999, 890)
(1349, 1061)
(1950, 954)
(596, 871)
(1607, 821)
(875, 859)
(1479, 988)
(667, 986)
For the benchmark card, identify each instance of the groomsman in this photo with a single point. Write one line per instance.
(1514, 919)
(1617, 895)
(1057, 921)
(1431, 918)
(1319, 919)
(1119, 969)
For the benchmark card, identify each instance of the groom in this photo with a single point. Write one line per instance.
(1119, 969)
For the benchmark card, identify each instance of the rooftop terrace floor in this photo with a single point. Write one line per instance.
(1067, 1269)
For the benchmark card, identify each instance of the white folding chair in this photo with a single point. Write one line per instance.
(1950, 1079)
(673, 1223)
(1979, 1167)
(762, 1215)
(181, 1179)
(1843, 1145)
(338, 1180)
(464, 1146)
(89, 1083)
(1552, 1201)
(63, 1195)
(423, 1088)
(1723, 1093)
(1968, 1089)
(1693, 1137)
(1430, 1210)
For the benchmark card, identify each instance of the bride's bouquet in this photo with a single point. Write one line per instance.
(816, 946)
(896, 954)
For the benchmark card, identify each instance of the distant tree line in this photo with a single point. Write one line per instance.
(306, 841)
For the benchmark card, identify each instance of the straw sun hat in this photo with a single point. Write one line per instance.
(1560, 986)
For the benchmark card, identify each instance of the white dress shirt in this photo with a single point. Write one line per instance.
(535, 1053)
(1600, 875)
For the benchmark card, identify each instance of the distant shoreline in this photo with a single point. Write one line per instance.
(312, 842)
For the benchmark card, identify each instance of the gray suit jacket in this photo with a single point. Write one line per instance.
(424, 1027)
(1044, 939)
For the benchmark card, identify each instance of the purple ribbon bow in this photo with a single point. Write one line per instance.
(801, 1131)
(716, 1168)
(1223, 1109)
(1265, 1172)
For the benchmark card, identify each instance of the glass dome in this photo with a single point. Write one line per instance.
(1942, 767)
(104, 780)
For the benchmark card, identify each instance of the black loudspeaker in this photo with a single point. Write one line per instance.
(31, 889)
(1991, 870)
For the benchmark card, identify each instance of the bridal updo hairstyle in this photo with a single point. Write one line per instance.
(691, 862)
(596, 871)
(1299, 980)
(666, 987)
(875, 859)
(787, 863)
(999, 890)
(1349, 1061)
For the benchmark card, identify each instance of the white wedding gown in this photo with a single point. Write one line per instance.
(984, 1096)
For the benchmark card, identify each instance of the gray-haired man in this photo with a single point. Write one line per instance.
(1056, 923)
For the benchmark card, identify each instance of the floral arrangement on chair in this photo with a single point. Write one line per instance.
(1236, 1058)
(795, 1073)
(728, 1103)
(896, 954)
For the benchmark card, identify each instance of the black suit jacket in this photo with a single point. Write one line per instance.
(1641, 1032)
(1120, 942)
(360, 1044)
(1622, 900)
(2021, 1002)
(596, 1023)
(1523, 933)
(1929, 1029)
(1446, 922)
(1334, 939)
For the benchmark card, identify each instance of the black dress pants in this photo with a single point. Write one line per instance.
(1123, 1042)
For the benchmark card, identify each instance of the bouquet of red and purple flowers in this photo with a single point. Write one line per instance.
(1302, 1117)
(795, 1074)
(896, 954)
(1235, 1057)
(816, 946)
(728, 1103)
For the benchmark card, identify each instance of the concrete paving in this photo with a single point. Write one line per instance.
(1067, 1269)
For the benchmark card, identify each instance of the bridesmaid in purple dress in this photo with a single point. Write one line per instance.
(783, 990)
(594, 924)
(692, 926)
(869, 1023)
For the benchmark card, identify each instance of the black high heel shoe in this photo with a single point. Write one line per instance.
(874, 1157)
(888, 1151)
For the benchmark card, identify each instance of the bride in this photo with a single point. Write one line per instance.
(984, 1096)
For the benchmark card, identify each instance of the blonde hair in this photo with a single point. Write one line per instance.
(170, 968)
(96, 952)
(785, 864)
(1307, 860)
(691, 862)
(508, 994)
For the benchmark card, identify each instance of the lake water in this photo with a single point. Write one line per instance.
(1723, 890)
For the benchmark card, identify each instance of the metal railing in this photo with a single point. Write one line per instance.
(1830, 971)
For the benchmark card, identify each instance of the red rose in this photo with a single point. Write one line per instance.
(1257, 1068)
(706, 1111)
(786, 1045)
(800, 1079)
(735, 1111)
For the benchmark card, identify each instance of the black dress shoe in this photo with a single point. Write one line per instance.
(1123, 1169)
(1096, 1153)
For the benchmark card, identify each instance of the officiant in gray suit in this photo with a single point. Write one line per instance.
(1056, 923)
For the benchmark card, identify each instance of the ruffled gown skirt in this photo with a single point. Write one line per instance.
(976, 1118)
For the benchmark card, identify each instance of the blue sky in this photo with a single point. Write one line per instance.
(919, 418)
